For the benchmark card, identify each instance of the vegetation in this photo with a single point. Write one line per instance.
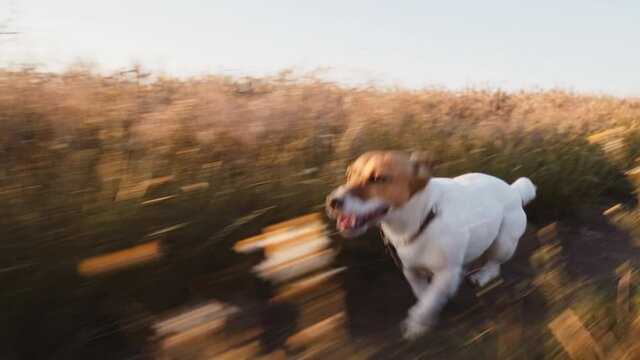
(91, 164)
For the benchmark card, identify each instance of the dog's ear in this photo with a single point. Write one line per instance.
(421, 162)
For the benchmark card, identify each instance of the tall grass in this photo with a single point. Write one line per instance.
(72, 142)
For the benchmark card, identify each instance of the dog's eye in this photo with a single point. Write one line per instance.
(377, 179)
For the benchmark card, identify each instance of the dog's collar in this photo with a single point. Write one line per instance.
(423, 225)
(392, 250)
(427, 220)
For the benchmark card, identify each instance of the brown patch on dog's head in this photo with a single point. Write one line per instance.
(377, 182)
(391, 176)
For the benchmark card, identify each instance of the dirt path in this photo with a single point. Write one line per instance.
(378, 296)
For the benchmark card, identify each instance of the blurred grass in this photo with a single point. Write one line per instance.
(71, 142)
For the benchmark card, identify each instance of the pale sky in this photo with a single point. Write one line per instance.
(584, 46)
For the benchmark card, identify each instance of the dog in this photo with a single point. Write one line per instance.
(436, 225)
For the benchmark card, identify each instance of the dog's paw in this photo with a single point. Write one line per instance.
(412, 330)
(483, 276)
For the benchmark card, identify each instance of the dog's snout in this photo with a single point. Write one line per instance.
(336, 203)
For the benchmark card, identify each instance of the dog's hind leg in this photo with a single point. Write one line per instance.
(511, 229)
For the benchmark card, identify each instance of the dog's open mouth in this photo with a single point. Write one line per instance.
(350, 222)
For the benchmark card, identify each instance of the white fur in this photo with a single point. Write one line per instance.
(526, 189)
(353, 204)
(474, 213)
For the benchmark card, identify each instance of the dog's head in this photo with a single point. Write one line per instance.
(378, 183)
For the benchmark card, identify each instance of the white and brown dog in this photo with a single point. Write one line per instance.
(437, 225)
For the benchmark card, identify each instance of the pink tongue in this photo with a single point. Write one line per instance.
(346, 221)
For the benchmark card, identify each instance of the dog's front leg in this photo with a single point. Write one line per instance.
(423, 315)
(418, 282)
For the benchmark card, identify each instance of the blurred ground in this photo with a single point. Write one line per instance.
(472, 326)
(592, 247)
(377, 300)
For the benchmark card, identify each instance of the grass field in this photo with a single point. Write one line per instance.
(91, 164)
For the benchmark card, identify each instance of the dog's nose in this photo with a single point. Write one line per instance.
(336, 203)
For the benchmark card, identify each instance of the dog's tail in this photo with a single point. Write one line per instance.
(525, 189)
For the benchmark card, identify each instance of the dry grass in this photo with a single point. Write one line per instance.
(94, 164)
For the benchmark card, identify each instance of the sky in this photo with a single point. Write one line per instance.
(582, 46)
